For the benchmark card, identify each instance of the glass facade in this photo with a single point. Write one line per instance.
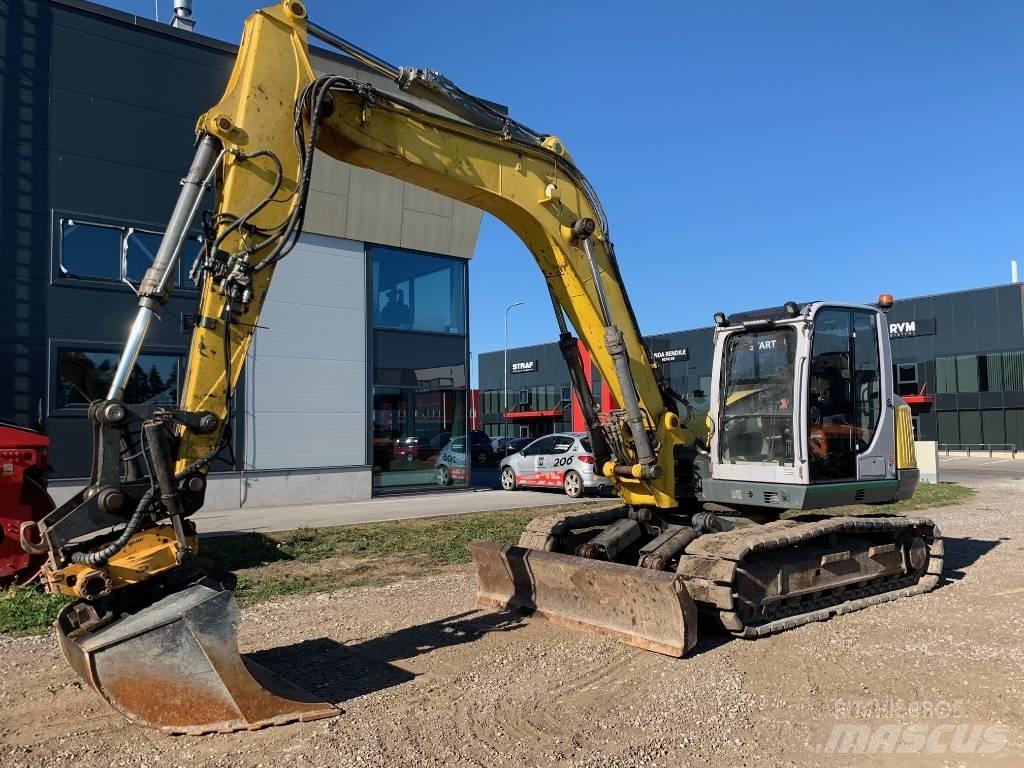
(419, 359)
(415, 291)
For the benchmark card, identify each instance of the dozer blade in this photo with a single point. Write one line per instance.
(175, 665)
(645, 608)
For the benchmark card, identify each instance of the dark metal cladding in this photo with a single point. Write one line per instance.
(643, 608)
(175, 666)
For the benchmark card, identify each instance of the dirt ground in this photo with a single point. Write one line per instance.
(426, 678)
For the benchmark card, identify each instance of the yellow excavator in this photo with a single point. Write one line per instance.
(802, 413)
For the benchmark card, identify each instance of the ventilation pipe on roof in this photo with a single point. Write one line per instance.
(183, 15)
(1013, 271)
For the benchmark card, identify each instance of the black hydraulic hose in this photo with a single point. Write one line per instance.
(101, 556)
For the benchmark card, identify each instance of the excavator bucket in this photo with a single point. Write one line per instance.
(175, 666)
(645, 608)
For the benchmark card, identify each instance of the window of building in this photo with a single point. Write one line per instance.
(90, 250)
(414, 432)
(1013, 371)
(416, 291)
(524, 397)
(945, 375)
(905, 375)
(1015, 427)
(967, 373)
(140, 249)
(990, 373)
(566, 394)
(114, 253)
(85, 375)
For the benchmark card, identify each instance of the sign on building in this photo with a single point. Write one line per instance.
(907, 328)
(528, 366)
(671, 355)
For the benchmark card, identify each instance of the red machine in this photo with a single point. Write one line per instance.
(23, 497)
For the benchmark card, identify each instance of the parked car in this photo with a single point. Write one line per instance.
(450, 463)
(503, 446)
(481, 450)
(407, 448)
(564, 459)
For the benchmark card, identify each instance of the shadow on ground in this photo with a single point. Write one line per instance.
(340, 672)
(961, 554)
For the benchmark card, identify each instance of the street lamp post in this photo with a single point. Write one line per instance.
(504, 382)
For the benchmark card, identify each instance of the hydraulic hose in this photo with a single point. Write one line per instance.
(101, 556)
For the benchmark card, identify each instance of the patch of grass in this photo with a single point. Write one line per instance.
(310, 560)
(28, 610)
(436, 541)
(927, 496)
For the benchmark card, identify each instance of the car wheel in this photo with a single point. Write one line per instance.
(409, 456)
(573, 484)
(444, 476)
(508, 479)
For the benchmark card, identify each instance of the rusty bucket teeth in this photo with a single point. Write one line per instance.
(645, 608)
(174, 665)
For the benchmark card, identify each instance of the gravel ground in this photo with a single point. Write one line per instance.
(428, 679)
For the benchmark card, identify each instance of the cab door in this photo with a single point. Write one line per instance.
(849, 415)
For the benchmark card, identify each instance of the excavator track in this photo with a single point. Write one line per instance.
(545, 532)
(759, 580)
(753, 580)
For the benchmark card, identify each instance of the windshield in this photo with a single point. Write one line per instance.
(757, 397)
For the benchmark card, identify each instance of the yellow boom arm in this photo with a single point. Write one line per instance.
(534, 188)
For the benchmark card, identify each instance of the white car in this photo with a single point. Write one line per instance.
(562, 460)
(450, 463)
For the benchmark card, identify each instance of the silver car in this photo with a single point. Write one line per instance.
(563, 460)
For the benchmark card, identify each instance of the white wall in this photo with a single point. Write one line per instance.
(306, 375)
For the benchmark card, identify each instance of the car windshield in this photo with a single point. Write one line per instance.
(585, 443)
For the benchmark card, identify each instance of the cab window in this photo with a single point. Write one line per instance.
(756, 425)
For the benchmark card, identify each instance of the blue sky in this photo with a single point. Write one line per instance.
(747, 153)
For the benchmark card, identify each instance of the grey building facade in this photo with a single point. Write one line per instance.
(98, 118)
(958, 360)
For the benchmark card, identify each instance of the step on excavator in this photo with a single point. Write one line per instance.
(716, 525)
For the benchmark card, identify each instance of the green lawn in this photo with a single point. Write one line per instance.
(308, 560)
(28, 611)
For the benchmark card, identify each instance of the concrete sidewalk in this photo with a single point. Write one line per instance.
(433, 504)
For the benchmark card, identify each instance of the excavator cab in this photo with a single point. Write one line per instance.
(804, 416)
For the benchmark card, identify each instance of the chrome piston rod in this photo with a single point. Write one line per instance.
(155, 285)
(616, 346)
